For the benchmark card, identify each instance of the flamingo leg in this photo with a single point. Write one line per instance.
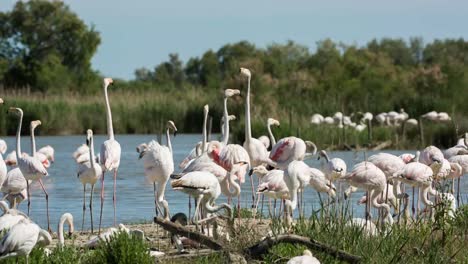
(91, 207)
(197, 208)
(458, 190)
(84, 206)
(413, 208)
(189, 205)
(29, 196)
(102, 202)
(114, 197)
(156, 200)
(47, 205)
(253, 191)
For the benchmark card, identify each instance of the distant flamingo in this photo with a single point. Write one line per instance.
(31, 168)
(459, 149)
(89, 172)
(306, 257)
(65, 218)
(159, 165)
(205, 187)
(110, 153)
(22, 238)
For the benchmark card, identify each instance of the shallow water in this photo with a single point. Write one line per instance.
(135, 200)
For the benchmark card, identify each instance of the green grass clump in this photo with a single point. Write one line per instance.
(122, 248)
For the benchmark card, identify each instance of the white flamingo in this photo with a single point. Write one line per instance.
(15, 187)
(49, 152)
(10, 217)
(306, 258)
(203, 186)
(159, 165)
(89, 172)
(110, 153)
(65, 218)
(31, 168)
(22, 238)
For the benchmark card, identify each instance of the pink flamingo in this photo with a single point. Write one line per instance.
(369, 177)
(271, 183)
(110, 153)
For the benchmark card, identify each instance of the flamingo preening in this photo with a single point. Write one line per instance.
(89, 172)
(110, 153)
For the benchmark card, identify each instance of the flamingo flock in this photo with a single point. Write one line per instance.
(214, 168)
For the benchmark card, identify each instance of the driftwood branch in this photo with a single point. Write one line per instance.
(263, 246)
(182, 231)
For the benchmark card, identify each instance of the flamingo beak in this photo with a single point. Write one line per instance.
(175, 133)
(250, 172)
(141, 154)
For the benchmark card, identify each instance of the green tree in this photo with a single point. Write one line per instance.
(42, 36)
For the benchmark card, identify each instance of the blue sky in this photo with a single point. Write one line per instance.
(141, 33)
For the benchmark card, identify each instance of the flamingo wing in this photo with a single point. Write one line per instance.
(110, 154)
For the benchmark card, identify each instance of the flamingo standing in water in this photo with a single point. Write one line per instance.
(271, 183)
(31, 168)
(110, 153)
(159, 165)
(369, 177)
(89, 172)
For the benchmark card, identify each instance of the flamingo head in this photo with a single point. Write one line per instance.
(455, 170)
(231, 92)
(49, 152)
(230, 118)
(171, 125)
(311, 147)
(107, 82)
(323, 154)
(206, 109)
(141, 149)
(1, 100)
(260, 171)
(272, 121)
(214, 148)
(35, 124)
(245, 72)
(15, 110)
(89, 135)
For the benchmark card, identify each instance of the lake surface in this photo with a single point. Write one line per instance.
(135, 200)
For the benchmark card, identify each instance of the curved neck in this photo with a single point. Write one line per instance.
(205, 119)
(325, 155)
(46, 238)
(91, 151)
(216, 208)
(60, 229)
(248, 131)
(110, 129)
(234, 184)
(375, 197)
(272, 137)
(18, 137)
(168, 139)
(33, 142)
(226, 123)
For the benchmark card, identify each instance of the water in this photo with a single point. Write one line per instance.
(135, 200)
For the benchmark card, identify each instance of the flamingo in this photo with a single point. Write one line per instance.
(271, 138)
(10, 217)
(22, 238)
(159, 165)
(49, 152)
(234, 159)
(271, 183)
(227, 94)
(255, 148)
(89, 172)
(459, 149)
(287, 150)
(205, 187)
(417, 174)
(15, 185)
(110, 153)
(306, 258)
(316, 119)
(335, 168)
(31, 168)
(366, 226)
(291, 177)
(461, 160)
(65, 218)
(389, 164)
(367, 176)
(200, 147)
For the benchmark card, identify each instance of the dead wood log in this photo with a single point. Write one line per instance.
(182, 231)
(262, 247)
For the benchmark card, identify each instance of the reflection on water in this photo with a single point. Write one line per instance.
(135, 200)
